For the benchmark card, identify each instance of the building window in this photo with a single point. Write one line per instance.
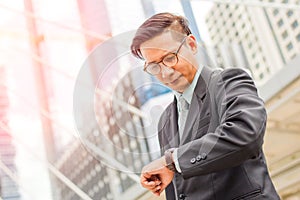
(284, 34)
(289, 46)
(257, 66)
(261, 75)
(250, 45)
(289, 13)
(298, 37)
(295, 24)
(285, 1)
(275, 12)
(280, 23)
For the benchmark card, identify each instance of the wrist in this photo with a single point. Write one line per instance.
(169, 160)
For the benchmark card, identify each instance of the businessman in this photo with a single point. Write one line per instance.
(211, 135)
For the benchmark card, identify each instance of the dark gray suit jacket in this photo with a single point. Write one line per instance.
(220, 153)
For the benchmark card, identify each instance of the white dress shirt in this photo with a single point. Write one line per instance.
(187, 95)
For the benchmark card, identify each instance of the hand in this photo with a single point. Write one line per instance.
(156, 176)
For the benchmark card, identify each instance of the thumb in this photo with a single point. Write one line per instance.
(147, 175)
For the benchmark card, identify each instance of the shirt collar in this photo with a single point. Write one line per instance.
(188, 92)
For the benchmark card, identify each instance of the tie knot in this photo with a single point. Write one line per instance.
(184, 105)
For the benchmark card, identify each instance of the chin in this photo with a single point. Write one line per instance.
(181, 87)
(177, 89)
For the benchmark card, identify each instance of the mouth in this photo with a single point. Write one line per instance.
(174, 81)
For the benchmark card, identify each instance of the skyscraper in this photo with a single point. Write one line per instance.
(116, 133)
(261, 32)
(8, 188)
(285, 25)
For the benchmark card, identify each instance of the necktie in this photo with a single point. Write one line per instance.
(183, 112)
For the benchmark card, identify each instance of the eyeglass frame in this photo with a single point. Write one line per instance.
(161, 61)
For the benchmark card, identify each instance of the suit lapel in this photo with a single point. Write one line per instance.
(173, 134)
(196, 104)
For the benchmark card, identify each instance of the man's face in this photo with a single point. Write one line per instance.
(179, 76)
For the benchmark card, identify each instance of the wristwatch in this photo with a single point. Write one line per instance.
(169, 160)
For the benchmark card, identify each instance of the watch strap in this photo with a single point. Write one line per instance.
(169, 160)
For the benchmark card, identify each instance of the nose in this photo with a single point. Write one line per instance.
(166, 71)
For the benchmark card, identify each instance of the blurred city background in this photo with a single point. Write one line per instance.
(44, 45)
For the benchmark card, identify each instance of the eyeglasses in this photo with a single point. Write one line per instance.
(169, 60)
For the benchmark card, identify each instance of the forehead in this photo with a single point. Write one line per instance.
(161, 41)
(155, 47)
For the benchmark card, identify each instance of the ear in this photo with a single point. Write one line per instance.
(192, 43)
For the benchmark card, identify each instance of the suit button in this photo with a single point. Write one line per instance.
(182, 196)
(198, 158)
(203, 156)
(193, 160)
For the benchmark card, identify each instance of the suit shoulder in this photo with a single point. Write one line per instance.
(234, 72)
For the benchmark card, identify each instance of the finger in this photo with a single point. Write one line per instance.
(156, 179)
(157, 193)
(163, 187)
(156, 190)
(152, 178)
(151, 184)
(148, 184)
(150, 188)
(157, 182)
(147, 175)
(145, 178)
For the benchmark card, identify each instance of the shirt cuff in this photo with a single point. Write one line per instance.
(175, 159)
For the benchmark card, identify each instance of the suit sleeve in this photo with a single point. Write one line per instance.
(239, 134)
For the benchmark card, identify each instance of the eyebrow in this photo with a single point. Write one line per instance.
(160, 59)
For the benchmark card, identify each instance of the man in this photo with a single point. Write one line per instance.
(211, 135)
